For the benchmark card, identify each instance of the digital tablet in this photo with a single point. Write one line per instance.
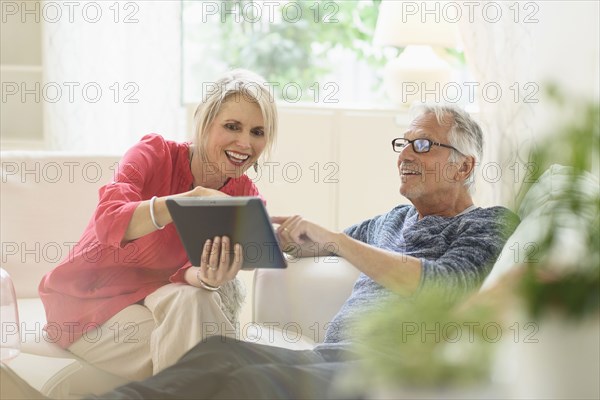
(243, 219)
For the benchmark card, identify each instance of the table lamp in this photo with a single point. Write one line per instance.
(416, 28)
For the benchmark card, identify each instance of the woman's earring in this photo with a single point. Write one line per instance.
(255, 166)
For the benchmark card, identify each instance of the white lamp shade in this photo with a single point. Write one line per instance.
(402, 23)
(415, 76)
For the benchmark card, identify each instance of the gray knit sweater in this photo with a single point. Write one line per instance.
(456, 255)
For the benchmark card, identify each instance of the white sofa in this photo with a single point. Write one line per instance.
(46, 201)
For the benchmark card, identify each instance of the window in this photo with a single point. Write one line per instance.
(308, 51)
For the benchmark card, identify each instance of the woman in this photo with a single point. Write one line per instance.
(127, 299)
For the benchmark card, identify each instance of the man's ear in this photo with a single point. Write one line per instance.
(466, 167)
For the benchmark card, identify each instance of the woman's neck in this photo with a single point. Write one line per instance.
(204, 173)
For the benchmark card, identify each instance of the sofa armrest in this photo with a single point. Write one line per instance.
(538, 208)
(49, 375)
(303, 298)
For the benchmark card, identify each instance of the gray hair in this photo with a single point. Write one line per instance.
(465, 134)
(233, 84)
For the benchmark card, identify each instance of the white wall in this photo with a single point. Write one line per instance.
(20, 64)
(348, 167)
(566, 52)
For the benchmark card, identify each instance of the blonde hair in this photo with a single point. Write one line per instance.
(235, 83)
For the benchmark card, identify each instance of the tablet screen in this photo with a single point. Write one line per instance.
(243, 219)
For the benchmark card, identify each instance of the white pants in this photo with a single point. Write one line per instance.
(143, 340)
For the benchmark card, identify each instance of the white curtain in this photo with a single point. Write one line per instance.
(531, 45)
(117, 65)
(498, 56)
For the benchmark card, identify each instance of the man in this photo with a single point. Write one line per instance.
(440, 241)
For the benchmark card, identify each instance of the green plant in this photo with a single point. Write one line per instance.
(545, 286)
(425, 343)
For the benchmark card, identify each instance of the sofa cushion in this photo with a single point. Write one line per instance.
(543, 200)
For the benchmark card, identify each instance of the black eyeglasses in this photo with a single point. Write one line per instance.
(418, 145)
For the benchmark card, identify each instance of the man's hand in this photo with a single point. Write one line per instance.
(396, 271)
(303, 238)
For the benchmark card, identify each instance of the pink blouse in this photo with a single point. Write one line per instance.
(102, 274)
